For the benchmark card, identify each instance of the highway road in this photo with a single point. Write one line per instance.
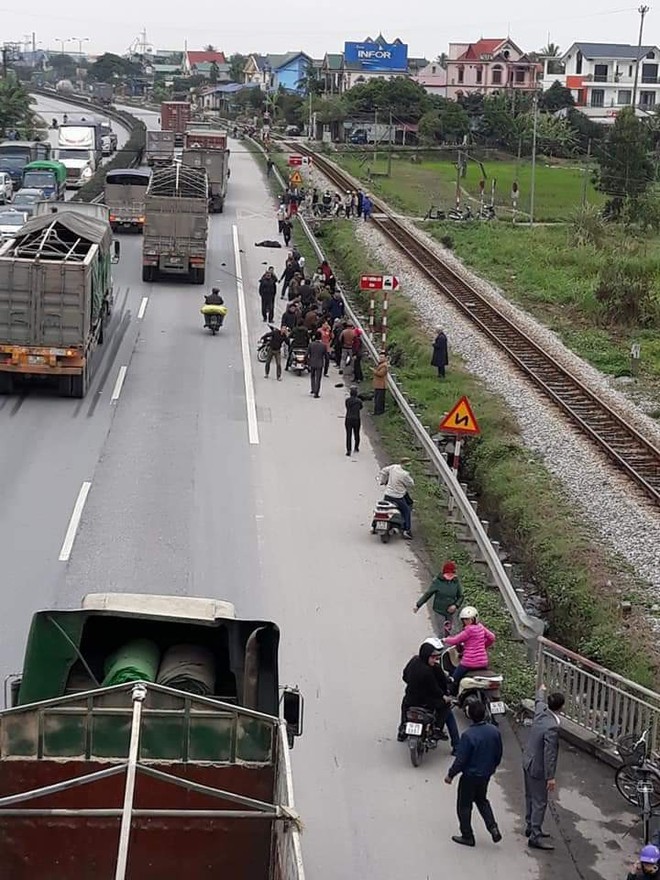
(201, 477)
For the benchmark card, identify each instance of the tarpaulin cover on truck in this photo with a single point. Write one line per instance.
(181, 181)
(66, 236)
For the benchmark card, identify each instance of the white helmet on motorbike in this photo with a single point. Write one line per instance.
(469, 613)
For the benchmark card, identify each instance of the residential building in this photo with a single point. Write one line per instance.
(433, 78)
(192, 59)
(289, 71)
(601, 78)
(488, 67)
(219, 97)
(257, 71)
(205, 68)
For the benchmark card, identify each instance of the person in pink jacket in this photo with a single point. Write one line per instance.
(476, 640)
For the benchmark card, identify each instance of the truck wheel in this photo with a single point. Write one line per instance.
(79, 384)
(147, 273)
(221, 207)
(197, 276)
(6, 383)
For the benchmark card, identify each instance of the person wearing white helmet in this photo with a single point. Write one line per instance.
(476, 640)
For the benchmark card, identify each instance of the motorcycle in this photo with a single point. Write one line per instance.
(459, 216)
(214, 317)
(387, 519)
(487, 213)
(298, 361)
(479, 685)
(262, 351)
(420, 733)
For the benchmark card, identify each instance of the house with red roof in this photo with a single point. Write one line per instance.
(489, 66)
(191, 60)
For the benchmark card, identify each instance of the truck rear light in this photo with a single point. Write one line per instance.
(113, 217)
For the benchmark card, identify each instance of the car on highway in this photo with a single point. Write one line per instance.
(106, 131)
(26, 200)
(11, 221)
(6, 187)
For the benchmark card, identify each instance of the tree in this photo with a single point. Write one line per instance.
(210, 48)
(448, 123)
(557, 97)
(405, 99)
(625, 167)
(551, 50)
(15, 112)
(496, 124)
(63, 65)
(110, 67)
(236, 67)
(311, 83)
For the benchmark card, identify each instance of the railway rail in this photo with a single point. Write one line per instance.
(633, 453)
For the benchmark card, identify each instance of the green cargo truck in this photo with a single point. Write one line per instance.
(145, 742)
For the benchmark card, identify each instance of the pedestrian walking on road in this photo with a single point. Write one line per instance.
(478, 756)
(287, 229)
(447, 594)
(358, 352)
(290, 270)
(440, 357)
(267, 292)
(316, 363)
(276, 340)
(281, 216)
(347, 337)
(379, 382)
(540, 765)
(326, 336)
(353, 421)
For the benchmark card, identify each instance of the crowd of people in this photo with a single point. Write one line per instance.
(478, 752)
(325, 203)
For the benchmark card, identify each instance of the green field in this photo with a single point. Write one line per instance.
(414, 187)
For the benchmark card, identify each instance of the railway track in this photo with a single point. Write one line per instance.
(633, 453)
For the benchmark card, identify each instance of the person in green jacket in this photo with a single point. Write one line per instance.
(447, 597)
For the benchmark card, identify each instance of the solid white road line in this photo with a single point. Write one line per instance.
(116, 391)
(143, 307)
(74, 522)
(253, 428)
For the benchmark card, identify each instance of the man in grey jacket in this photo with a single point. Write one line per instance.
(315, 362)
(540, 765)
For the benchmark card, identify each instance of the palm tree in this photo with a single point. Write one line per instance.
(442, 60)
(551, 50)
(210, 48)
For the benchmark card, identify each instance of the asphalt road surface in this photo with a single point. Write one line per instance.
(201, 478)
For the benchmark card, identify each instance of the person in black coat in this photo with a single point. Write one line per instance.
(316, 362)
(427, 686)
(440, 357)
(352, 421)
(267, 291)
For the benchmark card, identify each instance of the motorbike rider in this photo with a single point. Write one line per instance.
(476, 640)
(648, 865)
(217, 303)
(397, 482)
(298, 339)
(427, 686)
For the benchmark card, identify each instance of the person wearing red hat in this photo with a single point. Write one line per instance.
(447, 594)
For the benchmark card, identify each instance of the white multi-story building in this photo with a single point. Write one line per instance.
(601, 77)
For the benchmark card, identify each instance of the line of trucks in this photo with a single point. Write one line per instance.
(56, 288)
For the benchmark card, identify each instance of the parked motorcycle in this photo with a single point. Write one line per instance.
(298, 361)
(420, 733)
(487, 213)
(479, 685)
(387, 520)
(460, 216)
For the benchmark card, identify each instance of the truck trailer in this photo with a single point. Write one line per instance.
(207, 149)
(176, 223)
(175, 116)
(159, 148)
(56, 296)
(147, 740)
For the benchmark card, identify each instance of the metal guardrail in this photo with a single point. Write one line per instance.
(598, 701)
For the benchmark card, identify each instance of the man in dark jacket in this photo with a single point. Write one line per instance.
(540, 765)
(335, 307)
(440, 357)
(315, 362)
(275, 340)
(267, 291)
(478, 757)
(298, 339)
(290, 269)
(426, 686)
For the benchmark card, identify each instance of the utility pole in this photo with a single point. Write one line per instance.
(585, 178)
(642, 13)
(532, 189)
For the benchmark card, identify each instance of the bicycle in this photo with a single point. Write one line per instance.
(638, 779)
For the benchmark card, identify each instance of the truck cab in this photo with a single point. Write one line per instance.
(49, 176)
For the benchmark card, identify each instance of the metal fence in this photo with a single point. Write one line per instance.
(598, 701)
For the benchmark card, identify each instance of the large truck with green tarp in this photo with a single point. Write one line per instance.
(56, 296)
(148, 739)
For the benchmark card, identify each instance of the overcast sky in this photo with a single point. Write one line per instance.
(427, 26)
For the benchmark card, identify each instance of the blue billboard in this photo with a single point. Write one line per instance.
(377, 56)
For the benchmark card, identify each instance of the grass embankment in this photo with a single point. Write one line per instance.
(414, 187)
(527, 508)
(554, 280)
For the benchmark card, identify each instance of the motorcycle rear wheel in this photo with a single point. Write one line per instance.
(416, 750)
(262, 354)
(385, 537)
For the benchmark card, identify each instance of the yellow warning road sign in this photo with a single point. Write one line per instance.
(461, 419)
(295, 179)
